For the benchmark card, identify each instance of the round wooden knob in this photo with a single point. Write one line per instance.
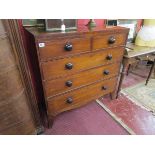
(68, 47)
(106, 72)
(112, 40)
(69, 66)
(69, 83)
(69, 100)
(109, 57)
(104, 87)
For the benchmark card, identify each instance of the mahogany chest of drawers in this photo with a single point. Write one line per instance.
(78, 66)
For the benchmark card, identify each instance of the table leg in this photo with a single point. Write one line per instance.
(125, 64)
(154, 72)
(151, 70)
(128, 69)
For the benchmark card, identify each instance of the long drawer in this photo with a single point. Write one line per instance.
(80, 97)
(63, 47)
(109, 40)
(67, 66)
(60, 85)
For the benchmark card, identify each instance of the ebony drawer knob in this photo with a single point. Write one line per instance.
(104, 87)
(68, 47)
(69, 66)
(111, 40)
(69, 100)
(106, 72)
(109, 57)
(69, 83)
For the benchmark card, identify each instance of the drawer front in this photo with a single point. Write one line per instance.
(68, 66)
(111, 40)
(62, 48)
(80, 97)
(57, 86)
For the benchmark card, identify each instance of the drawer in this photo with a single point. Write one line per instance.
(64, 47)
(60, 85)
(67, 66)
(111, 40)
(80, 97)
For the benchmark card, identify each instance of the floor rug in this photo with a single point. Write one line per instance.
(133, 118)
(142, 95)
(115, 117)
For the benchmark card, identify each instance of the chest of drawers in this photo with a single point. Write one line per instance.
(77, 67)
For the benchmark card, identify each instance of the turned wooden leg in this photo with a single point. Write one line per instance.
(151, 70)
(123, 73)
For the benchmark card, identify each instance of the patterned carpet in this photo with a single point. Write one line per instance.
(136, 119)
(142, 95)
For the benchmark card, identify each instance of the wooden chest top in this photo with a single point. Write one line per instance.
(40, 33)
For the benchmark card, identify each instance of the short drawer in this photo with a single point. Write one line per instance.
(61, 85)
(80, 97)
(109, 40)
(63, 47)
(68, 66)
